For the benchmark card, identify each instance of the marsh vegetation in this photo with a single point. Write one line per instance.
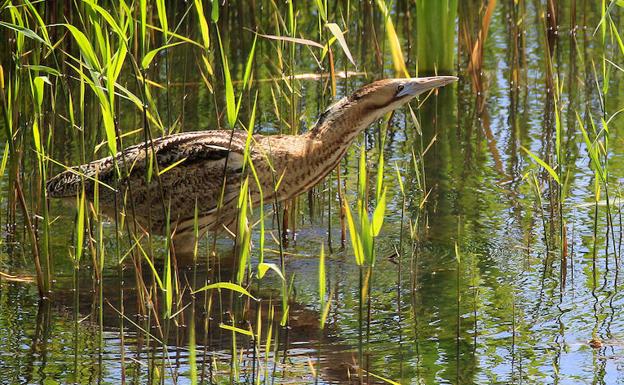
(474, 236)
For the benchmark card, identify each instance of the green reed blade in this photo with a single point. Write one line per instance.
(41, 68)
(244, 234)
(5, 159)
(322, 281)
(337, 32)
(230, 103)
(25, 32)
(393, 39)
(171, 166)
(616, 34)
(143, 24)
(250, 59)
(248, 160)
(247, 74)
(43, 27)
(366, 237)
(110, 20)
(147, 59)
(380, 174)
(250, 129)
(592, 149)
(162, 17)
(203, 24)
(356, 244)
(146, 257)
(226, 286)
(236, 330)
(109, 127)
(113, 70)
(85, 47)
(545, 165)
(362, 178)
(322, 10)
(263, 267)
(378, 214)
(173, 34)
(192, 350)
(116, 65)
(399, 178)
(195, 234)
(291, 18)
(80, 228)
(167, 274)
(214, 13)
(286, 292)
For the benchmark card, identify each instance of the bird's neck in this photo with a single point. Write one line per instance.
(302, 161)
(340, 124)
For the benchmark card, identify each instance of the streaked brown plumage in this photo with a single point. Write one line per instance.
(297, 161)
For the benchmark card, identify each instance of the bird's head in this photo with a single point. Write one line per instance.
(386, 95)
(346, 118)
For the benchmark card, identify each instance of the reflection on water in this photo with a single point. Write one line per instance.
(478, 293)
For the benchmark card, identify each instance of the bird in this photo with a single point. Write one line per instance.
(206, 169)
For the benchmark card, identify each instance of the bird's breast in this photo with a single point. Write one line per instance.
(297, 165)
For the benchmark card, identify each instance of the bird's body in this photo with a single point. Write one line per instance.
(192, 165)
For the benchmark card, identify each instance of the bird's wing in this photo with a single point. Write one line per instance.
(190, 168)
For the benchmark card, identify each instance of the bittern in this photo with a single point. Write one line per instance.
(205, 168)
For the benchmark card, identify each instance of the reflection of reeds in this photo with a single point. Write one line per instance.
(475, 66)
(435, 39)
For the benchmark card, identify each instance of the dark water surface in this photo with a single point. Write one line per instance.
(508, 310)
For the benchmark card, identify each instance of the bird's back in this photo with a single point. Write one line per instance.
(185, 148)
(187, 169)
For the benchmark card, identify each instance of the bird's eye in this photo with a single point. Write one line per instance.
(400, 88)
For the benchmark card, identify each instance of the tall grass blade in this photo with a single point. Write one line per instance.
(263, 267)
(230, 103)
(203, 24)
(322, 278)
(248, 333)
(296, 40)
(226, 286)
(85, 47)
(147, 59)
(393, 39)
(162, 17)
(545, 165)
(23, 31)
(244, 234)
(337, 32)
(356, 243)
(378, 214)
(192, 351)
(214, 13)
(5, 159)
(80, 227)
(110, 20)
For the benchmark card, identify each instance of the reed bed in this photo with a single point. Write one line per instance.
(479, 211)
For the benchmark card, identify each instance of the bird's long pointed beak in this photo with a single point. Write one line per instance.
(415, 86)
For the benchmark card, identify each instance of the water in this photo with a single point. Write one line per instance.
(508, 310)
